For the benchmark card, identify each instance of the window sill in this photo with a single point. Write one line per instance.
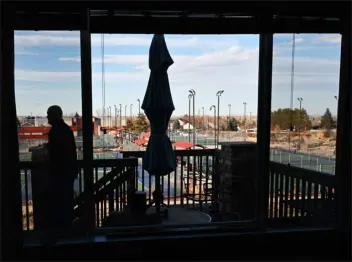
(271, 243)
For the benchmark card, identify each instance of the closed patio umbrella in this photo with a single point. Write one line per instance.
(159, 159)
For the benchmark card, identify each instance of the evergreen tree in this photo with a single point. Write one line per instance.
(141, 124)
(284, 118)
(233, 124)
(327, 122)
(129, 124)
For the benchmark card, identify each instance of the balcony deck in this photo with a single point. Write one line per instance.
(294, 193)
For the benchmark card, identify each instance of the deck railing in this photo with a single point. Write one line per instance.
(293, 191)
(297, 192)
(190, 185)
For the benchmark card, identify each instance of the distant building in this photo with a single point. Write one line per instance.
(76, 124)
(187, 126)
(210, 125)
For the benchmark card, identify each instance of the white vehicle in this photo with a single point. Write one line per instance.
(184, 134)
(253, 131)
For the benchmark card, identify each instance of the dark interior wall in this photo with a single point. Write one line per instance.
(295, 245)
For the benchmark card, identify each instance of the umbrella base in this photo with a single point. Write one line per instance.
(127, 218)
(164, 213)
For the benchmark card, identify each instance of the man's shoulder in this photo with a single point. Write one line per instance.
(61, 128)
(67, 128)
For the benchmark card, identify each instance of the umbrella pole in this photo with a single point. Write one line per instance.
(157, 194)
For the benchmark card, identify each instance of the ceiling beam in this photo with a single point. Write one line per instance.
(169, 25)
(290, 8)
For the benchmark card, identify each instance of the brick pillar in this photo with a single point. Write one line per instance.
(237, 172)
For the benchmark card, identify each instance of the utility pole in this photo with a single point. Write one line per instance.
(120, 115)
(229, 116)
(203, 118)
(189, 117)
(244, 120)
(218, 94)
(125, 115)
(193, 93)
(115, 115)
(300, 100)
(214, 107)
(199, 119)
(109, 115)
(292, 87)
(336, 98)
(139, 107)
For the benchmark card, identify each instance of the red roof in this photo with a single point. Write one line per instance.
(140, 142)
(182, 144)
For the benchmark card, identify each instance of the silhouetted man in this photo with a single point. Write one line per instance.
(62, 170)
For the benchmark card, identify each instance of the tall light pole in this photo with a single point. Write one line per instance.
(244, 120)
(203, 118)
(139, 107)
(120, 115)
(131, 105)
(300, 100)
(213, 106)
(292, 87)
(109, 115)
(125, 115)
(218, 94)
(189, 117)
(229, 116)
(193, 93)
(199, 119)
(115, 115)
(336, 98)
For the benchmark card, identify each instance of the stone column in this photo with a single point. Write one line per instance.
(237, 172)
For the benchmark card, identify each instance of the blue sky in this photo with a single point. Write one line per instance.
(48, 71)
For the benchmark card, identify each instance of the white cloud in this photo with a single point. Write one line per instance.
(44, 39)
(71, 77)
(20, 90)
(136, 60)
(40, 40)
(229, 69)
(220, 58)
(20, 50)
(334, 39)
(298, 40)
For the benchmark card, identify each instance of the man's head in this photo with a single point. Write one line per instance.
(54, 114)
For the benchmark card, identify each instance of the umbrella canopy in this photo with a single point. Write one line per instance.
(158, 106)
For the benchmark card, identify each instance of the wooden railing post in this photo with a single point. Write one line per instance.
(264, 114)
